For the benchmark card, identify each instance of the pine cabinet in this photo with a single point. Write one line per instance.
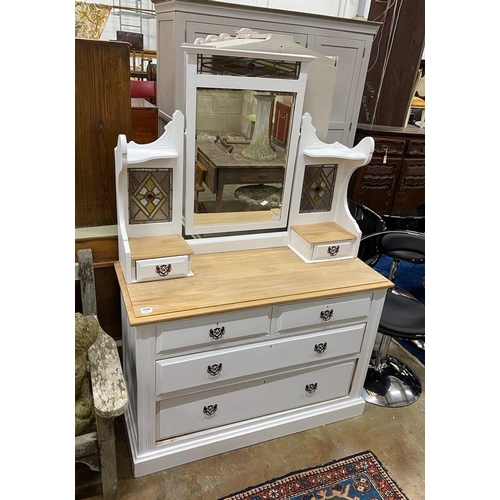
(180, 21)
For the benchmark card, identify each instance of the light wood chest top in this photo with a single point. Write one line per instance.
(230, 281)
(323, 232)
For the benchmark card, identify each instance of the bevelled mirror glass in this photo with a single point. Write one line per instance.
(243, 108)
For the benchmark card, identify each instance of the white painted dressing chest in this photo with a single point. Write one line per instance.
(240, 326)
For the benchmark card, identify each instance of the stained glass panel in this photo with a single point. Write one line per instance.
(150, 195)
(318, 187)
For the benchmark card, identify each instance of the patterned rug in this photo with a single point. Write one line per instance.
(358, 477)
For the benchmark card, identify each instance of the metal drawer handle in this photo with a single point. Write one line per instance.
(215, 369)
(163, 269)
(209, 410)
(310, 388)
(326, 315)
(333, 250)
(320, 348)
(217, 333)
(385, 149)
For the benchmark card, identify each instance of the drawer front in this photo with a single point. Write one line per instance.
(322, 313)
(416, 148)
(200, 371)
(391, 146)
(163, 268)
(332, 251)
(213, 330)
(179, 416)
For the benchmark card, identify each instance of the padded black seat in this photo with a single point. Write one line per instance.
(402, 316)
(407, 246)
(389, 382)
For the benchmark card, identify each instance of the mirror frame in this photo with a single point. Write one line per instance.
(194, 81)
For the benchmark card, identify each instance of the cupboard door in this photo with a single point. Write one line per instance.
(411, 188)
(348, 86)
(375, 184)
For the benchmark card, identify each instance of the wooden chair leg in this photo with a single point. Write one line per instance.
(107, 451)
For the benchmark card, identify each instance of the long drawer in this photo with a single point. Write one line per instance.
(320, 314)
(215, 368)
(214, 330)
(205, 410)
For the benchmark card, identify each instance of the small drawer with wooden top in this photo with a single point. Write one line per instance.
(160, 257)
(322, 241)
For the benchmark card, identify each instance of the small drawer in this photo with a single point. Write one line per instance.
(332, 250)
(163, 268)
(205, 410)
(212, 331)
(320, 314)
(416, 148)
(389, 146)
(216, 368)
(322, 241)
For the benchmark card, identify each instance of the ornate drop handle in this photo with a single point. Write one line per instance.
(320, 348)
(333, 250)
(217, 333)
(326, 315)
(215, 369)
(310, 388)
(163, 269)
(209, 410)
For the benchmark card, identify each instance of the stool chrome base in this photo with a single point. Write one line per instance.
(393, 385)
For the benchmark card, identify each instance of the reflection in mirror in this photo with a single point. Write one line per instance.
(242, 140)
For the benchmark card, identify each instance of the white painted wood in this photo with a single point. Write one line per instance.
(191, 372)
(313, 151)
(320, 252)
(195, 333)
(309, 316)
(259, 397)
(226, 45)
(167, 152)
(146, 269)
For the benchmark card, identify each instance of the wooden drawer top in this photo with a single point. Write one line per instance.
(231, 281)
(324, 232)
(154, 247)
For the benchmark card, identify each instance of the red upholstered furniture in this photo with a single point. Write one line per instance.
(143, 88)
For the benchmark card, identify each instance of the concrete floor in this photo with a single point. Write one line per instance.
(395, 436)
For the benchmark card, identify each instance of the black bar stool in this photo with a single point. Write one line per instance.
(389, 382)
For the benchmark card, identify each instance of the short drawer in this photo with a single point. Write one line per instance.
(184, 415)
(320, 314)
(332, 251)
(416, 148)
(214, 330)
(389, 146)
(163, 268)
(199, 371)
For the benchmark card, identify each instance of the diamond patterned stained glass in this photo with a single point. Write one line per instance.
(246, 66)
(150, 195)
(318, 187)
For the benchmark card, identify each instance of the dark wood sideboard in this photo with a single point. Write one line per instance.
(393, 183)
